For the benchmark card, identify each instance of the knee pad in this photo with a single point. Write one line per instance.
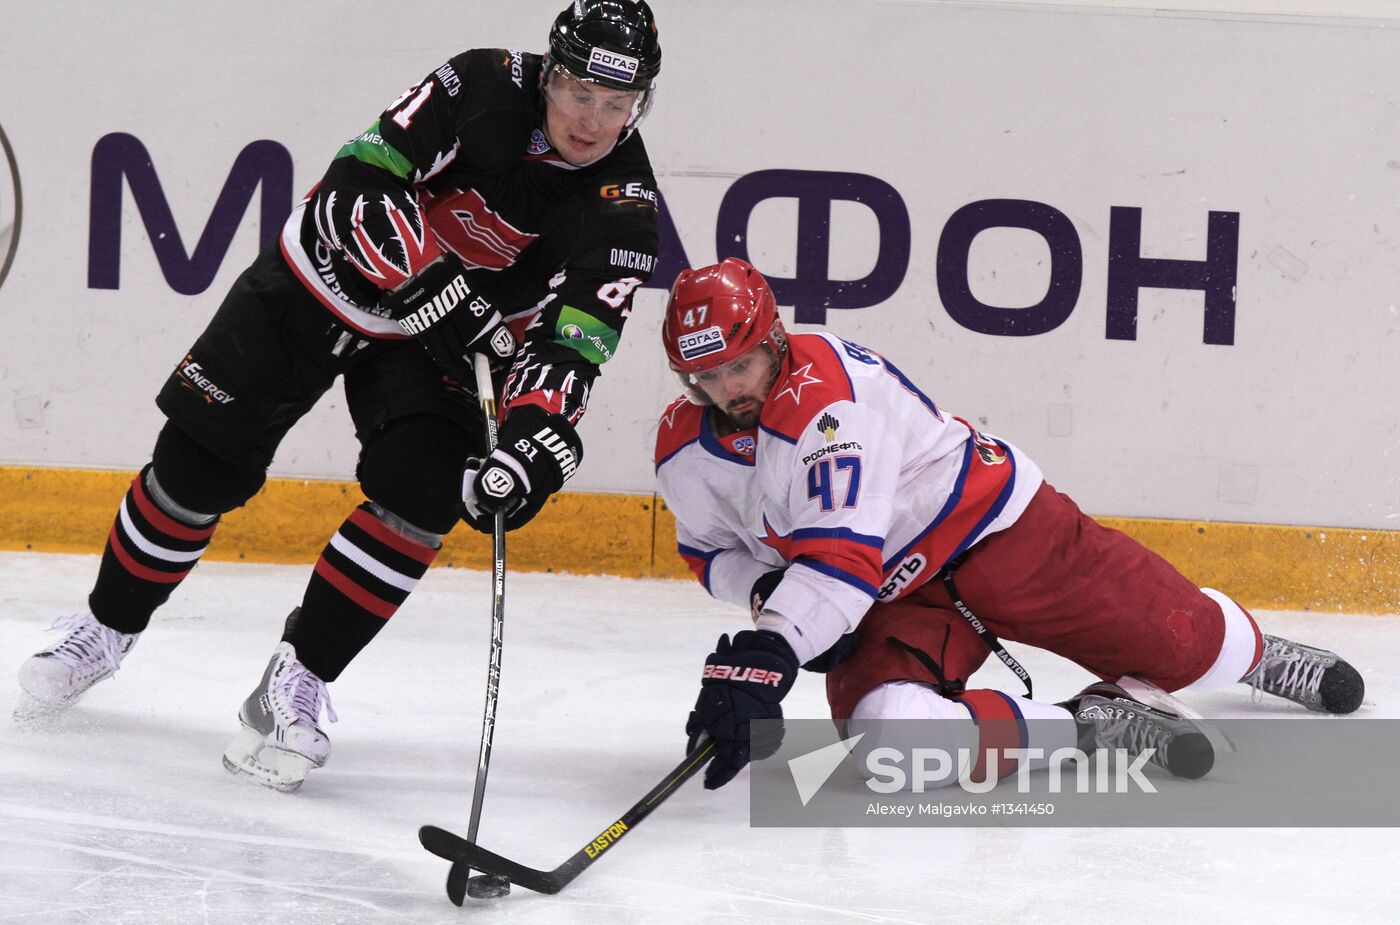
(197, 479)
(898, 717)
(413, 468)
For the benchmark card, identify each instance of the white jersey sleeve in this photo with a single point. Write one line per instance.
(842, 478)
(729, 570)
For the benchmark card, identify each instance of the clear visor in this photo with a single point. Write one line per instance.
(747, 377)
(591, 102)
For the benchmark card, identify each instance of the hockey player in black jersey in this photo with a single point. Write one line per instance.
(504, 205)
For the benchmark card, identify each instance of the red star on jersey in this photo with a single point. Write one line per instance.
(800, 379)
(668, 419)
(778, 542)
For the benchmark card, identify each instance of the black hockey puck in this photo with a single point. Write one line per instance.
(488, 886)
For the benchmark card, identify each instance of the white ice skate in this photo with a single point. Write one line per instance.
(56, 677)
(281, 740)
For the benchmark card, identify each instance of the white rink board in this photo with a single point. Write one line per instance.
(1291, 123)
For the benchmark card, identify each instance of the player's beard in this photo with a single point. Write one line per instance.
(747, 417)
(742, 413)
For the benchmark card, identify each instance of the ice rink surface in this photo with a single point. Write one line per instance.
(122, 812)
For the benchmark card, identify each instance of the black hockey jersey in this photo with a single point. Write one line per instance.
(460, 162)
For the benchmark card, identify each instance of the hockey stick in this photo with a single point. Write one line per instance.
(457, 877)
(464, 851)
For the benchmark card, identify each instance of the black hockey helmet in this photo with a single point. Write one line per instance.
(612, 42)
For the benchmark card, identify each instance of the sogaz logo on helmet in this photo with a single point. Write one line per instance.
(612, 65)
(701, 343)
(10, 211)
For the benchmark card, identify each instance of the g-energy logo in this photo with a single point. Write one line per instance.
(627, 191)
(10, 211)
(191, 376)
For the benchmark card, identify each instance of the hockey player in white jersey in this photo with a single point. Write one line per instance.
(879, 538)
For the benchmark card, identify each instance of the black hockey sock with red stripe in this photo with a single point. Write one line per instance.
(148, 553)
(365, 573)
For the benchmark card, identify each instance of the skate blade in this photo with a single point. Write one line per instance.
(1154, 696)
(250, 757)
(30, 710)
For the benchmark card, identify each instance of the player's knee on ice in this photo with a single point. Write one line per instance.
(912, 737)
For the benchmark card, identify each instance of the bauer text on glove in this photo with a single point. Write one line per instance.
(743, 680)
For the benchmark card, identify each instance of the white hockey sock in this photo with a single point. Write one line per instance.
(1239, 651)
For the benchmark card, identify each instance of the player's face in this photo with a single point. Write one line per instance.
(583, 119)
(740, 387)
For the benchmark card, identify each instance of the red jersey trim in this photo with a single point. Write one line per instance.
(813, 377)
(859, 560)
(679, 426)
(978, 497)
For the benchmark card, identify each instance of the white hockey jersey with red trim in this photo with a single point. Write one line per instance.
(854, 479)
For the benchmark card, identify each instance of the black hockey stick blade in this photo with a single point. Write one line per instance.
(456, 879)
(469, 856)
(466, 857)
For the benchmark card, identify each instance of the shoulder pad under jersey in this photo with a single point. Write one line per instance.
(814, 378)
(679, 427)
(497, 107)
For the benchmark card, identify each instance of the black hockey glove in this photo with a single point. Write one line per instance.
(448, 319)
(381, 232)
(767, 583)
(743, 681)
(536, 454)
(840, 650)
(844, 647)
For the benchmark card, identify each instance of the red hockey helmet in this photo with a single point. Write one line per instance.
(716, 315)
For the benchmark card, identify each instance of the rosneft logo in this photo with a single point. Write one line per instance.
(10, 211)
